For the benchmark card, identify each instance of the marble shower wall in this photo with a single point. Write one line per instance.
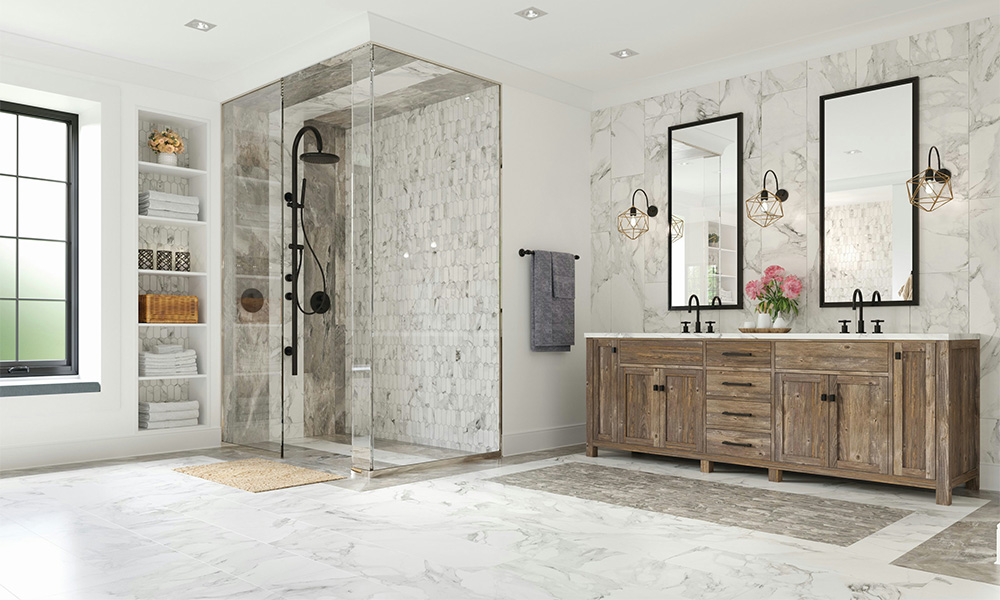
(435, 322)
(959, 70)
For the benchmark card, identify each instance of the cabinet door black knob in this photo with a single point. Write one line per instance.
(822, 398)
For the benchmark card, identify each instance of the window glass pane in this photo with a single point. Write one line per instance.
(8, 336)
(8, 258)
(8, 143)
(8, 205)
(41, 269)
(42, 207)
(41, 146)
(42, 334)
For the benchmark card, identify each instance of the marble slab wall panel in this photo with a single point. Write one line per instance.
(435, 311)
(959, 70)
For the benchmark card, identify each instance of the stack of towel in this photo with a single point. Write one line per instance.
(167, 361)
(166, 415)
(171, 206)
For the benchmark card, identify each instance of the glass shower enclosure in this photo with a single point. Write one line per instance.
(367, 324)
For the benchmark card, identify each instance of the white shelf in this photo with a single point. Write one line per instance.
(172, 273)
(144, 220)
(173, 324)
(164, 377)
(157, 168)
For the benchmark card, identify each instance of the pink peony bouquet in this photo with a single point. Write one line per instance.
(776, 292)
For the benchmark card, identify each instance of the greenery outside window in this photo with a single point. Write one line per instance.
(38, 241)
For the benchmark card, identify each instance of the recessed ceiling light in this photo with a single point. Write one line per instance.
(624, 53)
(468, 97)
(200, 25)
(852, 152)
(531, 13)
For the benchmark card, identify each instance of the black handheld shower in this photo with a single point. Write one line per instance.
(319, 301)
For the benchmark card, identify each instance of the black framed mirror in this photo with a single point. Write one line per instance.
(868, 228)
(705, 212)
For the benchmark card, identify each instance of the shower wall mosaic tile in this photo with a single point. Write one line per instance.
(859, 237)
(436, 362)
(959, 265)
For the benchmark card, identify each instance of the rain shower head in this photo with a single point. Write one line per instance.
(319, 158)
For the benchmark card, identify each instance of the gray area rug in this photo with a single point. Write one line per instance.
(795, 515)
(967, 549)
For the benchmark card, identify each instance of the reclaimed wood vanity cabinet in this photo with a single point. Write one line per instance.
(894, 411)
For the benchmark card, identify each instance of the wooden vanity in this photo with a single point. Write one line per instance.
(902, 410)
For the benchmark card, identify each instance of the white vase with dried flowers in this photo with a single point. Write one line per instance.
(167, 145)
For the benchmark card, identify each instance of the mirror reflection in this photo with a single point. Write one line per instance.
(706, 248)
(868, 152)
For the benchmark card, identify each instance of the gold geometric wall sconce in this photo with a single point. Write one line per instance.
(764, 208)
(931, 189)
(676, 228)
(632, 223)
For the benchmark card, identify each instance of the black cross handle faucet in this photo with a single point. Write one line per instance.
(858, 305)
(697, 307)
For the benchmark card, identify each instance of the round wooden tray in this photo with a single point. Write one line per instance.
(767, 330)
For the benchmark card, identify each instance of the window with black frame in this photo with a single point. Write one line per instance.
(38, 251)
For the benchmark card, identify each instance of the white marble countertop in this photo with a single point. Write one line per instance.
(871, 337)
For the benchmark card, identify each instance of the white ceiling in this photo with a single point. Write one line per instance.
(571, 44)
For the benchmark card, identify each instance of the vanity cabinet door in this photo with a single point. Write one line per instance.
(602, 391)
(683, 409)
(802, 425)
(643, 405)
(913, 397)
(859, 423)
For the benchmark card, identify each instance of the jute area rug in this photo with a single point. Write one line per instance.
(257, 474)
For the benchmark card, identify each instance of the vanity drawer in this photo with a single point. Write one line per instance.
(667, 353)
(745, 444)
(738, 354)
(832, 356)
(738, 414)
(739, 384)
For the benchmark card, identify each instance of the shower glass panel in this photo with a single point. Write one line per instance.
(391, 255)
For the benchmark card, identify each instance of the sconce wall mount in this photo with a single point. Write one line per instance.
(931, 189)
(764, 208)
(633, 222)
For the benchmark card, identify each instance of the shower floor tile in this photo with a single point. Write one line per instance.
(543, 525)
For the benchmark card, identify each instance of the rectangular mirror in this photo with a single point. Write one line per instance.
(706, 224)
(868, 152)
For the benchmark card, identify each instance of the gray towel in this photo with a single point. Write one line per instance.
(552, 318)
(563, 275)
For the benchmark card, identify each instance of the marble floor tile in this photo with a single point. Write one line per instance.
(137, 529)
(967, 549)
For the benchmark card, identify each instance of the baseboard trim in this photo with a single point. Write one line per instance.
(140, 444)
(544, 439)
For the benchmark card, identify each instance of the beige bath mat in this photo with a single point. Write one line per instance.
(258, 474)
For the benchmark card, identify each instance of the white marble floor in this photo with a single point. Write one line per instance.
(141, 530)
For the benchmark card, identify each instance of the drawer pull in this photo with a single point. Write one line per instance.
(728, 443)
(737, 384)
(734, 414)
(737, 353)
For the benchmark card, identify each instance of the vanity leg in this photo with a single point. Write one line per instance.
(707, 466)
(591, 451)
(943, 494)
(775, 475)
(973, 484)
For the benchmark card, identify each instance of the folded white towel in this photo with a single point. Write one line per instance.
(167, 373)
(152, 407)
(168, 349)
(165, 196)
(169, 424)
(168, 214)
(174, 415)
(170, 356)
(174, 206)
(160, 364)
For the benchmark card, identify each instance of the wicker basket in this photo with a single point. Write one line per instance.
(156, 308)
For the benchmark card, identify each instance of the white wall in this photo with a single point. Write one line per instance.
(545, 205)
(39, 430)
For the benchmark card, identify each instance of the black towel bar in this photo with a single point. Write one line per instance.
(523, 252)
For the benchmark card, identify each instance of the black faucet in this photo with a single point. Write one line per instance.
(877, 299)
(697, 306)
(716, 301)
(858, 304)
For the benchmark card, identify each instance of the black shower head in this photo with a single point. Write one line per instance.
(319, 158)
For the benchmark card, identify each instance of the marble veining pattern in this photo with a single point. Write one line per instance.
(959, 112)
(965, 546)
(137, 529)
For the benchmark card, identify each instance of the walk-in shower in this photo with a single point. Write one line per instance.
(371, 336)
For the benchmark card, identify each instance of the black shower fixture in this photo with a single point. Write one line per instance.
(319, 301)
